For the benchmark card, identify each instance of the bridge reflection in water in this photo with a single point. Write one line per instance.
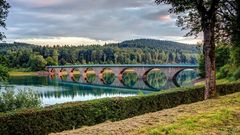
(121, 76)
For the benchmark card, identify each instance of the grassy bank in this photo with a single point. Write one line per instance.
(215, 116)
(220, 81)
(19, 73)
(221, 117)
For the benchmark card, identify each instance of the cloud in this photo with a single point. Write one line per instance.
(164, 18)
(36, 3)
(64, 41)
(95, 19)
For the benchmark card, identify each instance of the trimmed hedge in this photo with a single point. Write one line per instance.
(74, 115)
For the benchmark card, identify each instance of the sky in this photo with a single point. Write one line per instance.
(80, 22)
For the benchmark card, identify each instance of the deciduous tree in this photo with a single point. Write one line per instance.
(4, 6)
(199, 16)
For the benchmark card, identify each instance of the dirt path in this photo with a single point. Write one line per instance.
(136, 124)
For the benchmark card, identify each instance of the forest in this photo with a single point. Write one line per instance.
(27, 57)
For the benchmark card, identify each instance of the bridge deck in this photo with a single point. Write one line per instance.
(130, 65)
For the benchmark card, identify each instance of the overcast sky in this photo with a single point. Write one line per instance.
(90, 21)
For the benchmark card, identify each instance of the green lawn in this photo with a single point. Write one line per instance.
(219, 119)
(18, 73)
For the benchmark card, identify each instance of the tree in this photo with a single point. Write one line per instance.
(232, 15)
(50, 61)
(228, 26)
(4, 6)
(19, 55)
(201, 17)
(3, 73)
(222, 55)
(37, 63)
(55, 56)
(3, 61)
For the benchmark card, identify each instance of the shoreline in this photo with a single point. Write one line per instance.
(37, 73)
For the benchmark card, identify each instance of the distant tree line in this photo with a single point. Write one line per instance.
(35, 58)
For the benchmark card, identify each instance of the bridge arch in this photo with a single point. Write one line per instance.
(63, 74)
(89, 77)
(124, 76)
(74, 74)
(174, 78)
(107, 78)
(146, 81)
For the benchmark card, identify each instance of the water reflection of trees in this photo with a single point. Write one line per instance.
(186, 77)
(129, 78)
(108, 77)
(72, 91)
(29, 80)
(156, 79)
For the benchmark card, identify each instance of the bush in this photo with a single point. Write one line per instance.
(236, 74)
(10, 100)
(74, 115)
(201, 62)
(224, 72)
(228, 88)
(3, 73)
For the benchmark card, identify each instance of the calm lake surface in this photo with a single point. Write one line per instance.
(55, 92)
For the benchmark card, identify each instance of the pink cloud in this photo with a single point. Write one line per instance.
(164, 18)
(38, 3)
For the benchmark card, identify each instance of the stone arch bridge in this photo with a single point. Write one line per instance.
(170, 70)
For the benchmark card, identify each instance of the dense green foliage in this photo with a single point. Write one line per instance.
(164, 45)
(37, 62)
(22, 99)
(3, 73)
(236, 74)
(74, 115)
(223, 57)
(201, 62)
(230, 27)
(226, 68)
(4, 9)
(19, 55)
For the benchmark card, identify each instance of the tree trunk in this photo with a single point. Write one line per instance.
(210, 67)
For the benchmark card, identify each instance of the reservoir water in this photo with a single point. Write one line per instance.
(55, 92)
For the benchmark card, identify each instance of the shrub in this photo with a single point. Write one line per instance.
(201, 62)
(3, 73)
(236, 74)
(224, 72)
(9, 100)
(228, 88)
(74, 115)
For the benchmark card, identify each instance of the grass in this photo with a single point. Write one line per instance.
(18, 73)
(217, 120)
(220, 122)
(214, 116)
(220, 81)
